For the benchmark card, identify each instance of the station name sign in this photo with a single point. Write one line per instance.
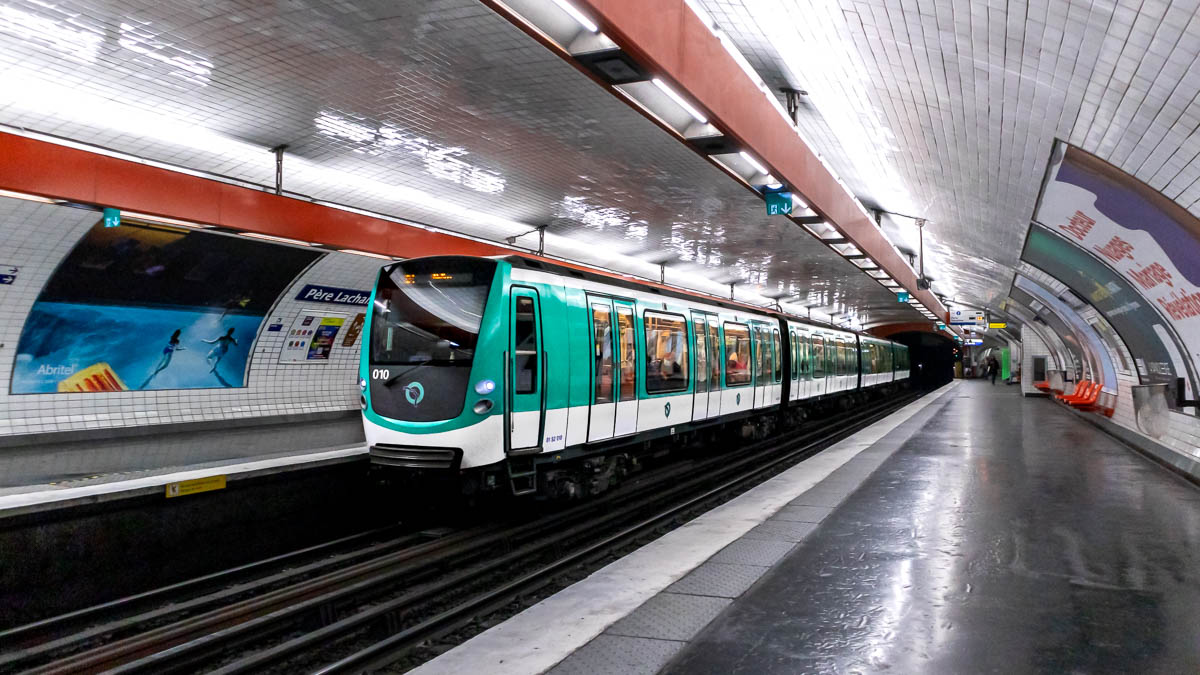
(333, 295)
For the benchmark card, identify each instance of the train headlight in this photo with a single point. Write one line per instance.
(485, 387)
(362, 401)
(362, 384)
(483, 407)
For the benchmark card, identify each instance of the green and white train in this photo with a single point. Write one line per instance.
(518, 373)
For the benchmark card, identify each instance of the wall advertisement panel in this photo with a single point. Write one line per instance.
(1150, 241)
(149, 307)
(311, 337)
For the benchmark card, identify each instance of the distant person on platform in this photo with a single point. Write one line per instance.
(993, 367)
(220, 348)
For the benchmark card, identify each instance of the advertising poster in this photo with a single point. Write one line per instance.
(148, 307)
(1148, 240)
(311, 337)
(354, 330)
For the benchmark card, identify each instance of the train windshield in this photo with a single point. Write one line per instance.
(428, 311)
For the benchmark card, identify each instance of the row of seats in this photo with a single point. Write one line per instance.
(1086, 397)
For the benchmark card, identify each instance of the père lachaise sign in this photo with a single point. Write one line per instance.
(333, 295)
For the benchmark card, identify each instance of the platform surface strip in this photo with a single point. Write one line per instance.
(1005, 536)
(636, 613)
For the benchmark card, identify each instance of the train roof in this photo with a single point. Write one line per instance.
(612, 278)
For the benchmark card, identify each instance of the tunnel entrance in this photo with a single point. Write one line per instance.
(932, 356)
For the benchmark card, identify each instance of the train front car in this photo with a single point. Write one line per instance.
(431, 400)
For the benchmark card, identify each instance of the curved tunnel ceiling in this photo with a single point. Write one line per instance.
(441, 113)
(949, 110)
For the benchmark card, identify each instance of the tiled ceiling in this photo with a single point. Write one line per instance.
(949, 110)
(436, 111)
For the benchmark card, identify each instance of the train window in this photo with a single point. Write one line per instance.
(818, 362)
(714, 358)
(666, 353)
(626, 353)
(778, 355)
(737, 355)
(701, 355)
(603, 340)
(525, 350)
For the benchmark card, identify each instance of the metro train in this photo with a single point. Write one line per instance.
(523, 375)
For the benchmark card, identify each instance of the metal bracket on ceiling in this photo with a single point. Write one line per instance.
(278, 151)
(808, 220)
(792, 98)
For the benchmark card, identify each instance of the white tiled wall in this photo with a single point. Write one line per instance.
(35, 237)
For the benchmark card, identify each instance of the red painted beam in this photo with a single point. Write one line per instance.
(51, 170)
(669, 39)
(59, 172)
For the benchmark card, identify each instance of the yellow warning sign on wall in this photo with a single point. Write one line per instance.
(191, 487)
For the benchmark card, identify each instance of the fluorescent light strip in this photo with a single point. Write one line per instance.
(577, 15)
(29, 197)
(268, 237)
(752, 162)
(691, 110)
(352, 251)
(165, 221)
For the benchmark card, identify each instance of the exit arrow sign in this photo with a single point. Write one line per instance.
(778, 203)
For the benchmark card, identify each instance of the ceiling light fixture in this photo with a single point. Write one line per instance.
(752, 162)
(29, 197)
(166, 221)
(352, 251)
(270, 237)
(577, 15)
(691, 110)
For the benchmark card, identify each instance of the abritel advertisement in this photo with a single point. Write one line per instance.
(149, 307)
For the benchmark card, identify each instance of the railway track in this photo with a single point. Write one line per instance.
(365, 608)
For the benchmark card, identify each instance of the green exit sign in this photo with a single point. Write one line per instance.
(941, 326)
(112, 217)
(779, 203)
(902, 296)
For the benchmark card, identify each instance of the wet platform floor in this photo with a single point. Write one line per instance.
(1005, 536)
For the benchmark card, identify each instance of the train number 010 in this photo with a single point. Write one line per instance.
(380, 373)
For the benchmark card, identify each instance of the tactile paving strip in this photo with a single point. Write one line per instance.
(618, 655)
(721, 580)
(753, 552)
(781, 530)
(670, 616)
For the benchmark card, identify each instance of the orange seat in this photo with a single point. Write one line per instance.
(1082, 390)
(1088, 400)
(1043, 385)
(1082, 394)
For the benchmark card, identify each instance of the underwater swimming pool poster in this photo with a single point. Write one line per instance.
(148, 307)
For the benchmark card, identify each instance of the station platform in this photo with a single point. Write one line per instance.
(58, 470)
(973, 531)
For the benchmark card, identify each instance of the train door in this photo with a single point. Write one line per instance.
(819, 363)
(715, 361)
(777, 364)
(761, 351)
(527, 371)
(794, 365)
(700, 397)
(626, 366)
(603, 411)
